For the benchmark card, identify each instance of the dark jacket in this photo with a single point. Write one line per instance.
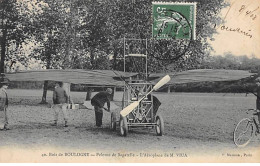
(156, 103)
(60, 96)
(258, 98)
(100, 99)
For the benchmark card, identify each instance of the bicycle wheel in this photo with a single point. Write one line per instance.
(243, 132)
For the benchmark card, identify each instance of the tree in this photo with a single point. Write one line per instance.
(16, 32)
(8, 16)
(229, 61)
(12, 33)
(51, 30)
(107, 22)
(132, 19)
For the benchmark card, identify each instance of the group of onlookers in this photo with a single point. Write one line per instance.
(61, 102)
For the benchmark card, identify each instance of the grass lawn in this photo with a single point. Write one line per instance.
(193, 122)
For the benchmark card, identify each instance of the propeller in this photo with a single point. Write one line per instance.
(132, 106)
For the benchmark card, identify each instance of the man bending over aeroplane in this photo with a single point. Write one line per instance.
(98, 101)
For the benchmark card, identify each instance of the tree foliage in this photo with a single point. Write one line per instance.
(229, 61)
(13, 32)
(132, 19)
(50, 31)
(84, 34)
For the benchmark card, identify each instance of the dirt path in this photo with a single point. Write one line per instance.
(198, 126)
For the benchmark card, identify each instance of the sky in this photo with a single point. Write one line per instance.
(243, 14)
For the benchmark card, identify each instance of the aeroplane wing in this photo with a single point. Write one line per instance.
(75, 76)
(203, 75)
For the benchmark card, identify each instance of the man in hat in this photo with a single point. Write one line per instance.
(4, 102)
(60, 101)
(98, 101)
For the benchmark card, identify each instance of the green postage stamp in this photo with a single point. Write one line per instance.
(174, 20)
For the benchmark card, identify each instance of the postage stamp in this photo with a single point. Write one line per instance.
(174, 20)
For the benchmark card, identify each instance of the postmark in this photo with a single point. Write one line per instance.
(174, 20)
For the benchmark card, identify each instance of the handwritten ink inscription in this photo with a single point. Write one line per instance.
(238, 30)
(250, 13)
(246, 13)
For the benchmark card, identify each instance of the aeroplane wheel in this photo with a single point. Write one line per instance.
(123, 126)
(159, 125)
(113, 121)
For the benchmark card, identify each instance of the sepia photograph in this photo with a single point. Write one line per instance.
(130, 81)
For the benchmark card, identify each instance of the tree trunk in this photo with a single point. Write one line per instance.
(113, 94)
(169, 89)
(88, 95)
(114, 59)
(45, 85)
(92, 59)
(3, 44)
(44, 95)
(66, 87)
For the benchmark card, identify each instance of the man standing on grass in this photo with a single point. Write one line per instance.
(60, 101)
(98, 101)
(4, 103)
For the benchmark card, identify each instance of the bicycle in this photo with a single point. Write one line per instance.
(244, 130)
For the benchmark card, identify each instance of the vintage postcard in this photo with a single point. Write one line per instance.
(130, 81)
